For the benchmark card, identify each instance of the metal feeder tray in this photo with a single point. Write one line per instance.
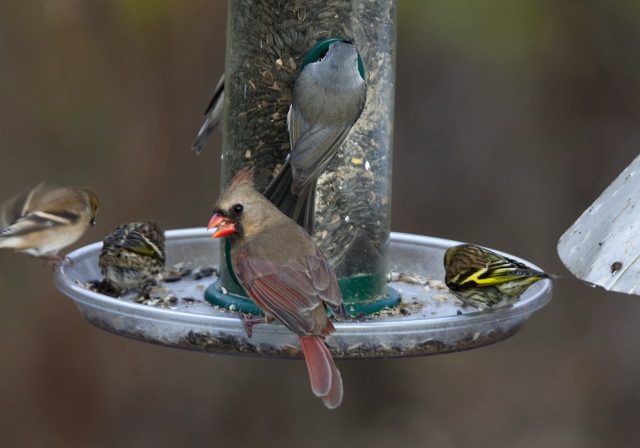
(429, 320)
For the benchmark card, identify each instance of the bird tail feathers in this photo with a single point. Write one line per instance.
(326, 381)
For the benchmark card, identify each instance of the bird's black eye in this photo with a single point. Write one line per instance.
(237, 208)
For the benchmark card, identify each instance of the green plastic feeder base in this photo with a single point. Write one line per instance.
(361, 294)
(353, 290)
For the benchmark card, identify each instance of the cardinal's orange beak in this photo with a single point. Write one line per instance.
(224, 226)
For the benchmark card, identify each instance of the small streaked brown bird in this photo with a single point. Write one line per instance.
(132, 256)
(484, 279)
(46, 220)
(285, 274)
(213, 115)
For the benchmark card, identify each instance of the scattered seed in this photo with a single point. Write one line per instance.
(173, 278)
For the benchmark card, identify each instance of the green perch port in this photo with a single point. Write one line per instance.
(361, 293)
(356, 293)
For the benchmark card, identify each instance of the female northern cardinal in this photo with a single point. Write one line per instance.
(284, 272)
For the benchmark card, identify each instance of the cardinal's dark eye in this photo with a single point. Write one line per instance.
(237, 209)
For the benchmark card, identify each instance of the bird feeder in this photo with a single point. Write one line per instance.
(268, 44)
(391, 283)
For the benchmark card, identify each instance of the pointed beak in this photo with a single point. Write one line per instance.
(224, 226)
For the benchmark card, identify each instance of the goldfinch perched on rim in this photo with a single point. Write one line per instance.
(132, 256)
(485, 279)
(46, 220)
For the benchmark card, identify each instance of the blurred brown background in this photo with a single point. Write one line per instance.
(511, 118)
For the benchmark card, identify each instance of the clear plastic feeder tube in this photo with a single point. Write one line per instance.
(267, 42)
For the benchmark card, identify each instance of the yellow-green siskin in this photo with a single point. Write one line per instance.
(132, 256)
(46, 219)
(482, 278)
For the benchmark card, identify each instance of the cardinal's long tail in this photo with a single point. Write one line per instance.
(326, 381)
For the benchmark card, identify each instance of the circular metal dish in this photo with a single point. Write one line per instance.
(429, 320)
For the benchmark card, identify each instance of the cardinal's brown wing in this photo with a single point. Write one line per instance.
(291, 291)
